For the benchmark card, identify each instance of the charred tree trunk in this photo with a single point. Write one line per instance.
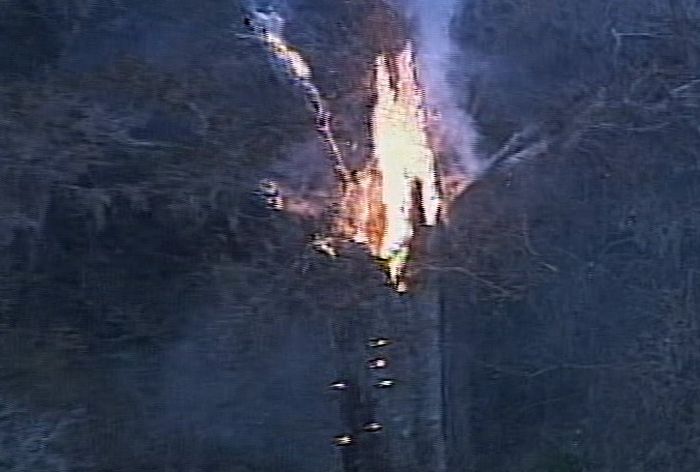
(412, 411)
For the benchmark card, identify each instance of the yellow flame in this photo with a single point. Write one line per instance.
(293, 59)
(268, 28)
(380, 205)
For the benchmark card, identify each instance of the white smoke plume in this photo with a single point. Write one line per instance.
(437, 55)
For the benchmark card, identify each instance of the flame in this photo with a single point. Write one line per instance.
(380, 206)
(397, 190)
(268, 28)
(292, 58)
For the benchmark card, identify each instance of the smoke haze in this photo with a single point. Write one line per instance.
(436, 55)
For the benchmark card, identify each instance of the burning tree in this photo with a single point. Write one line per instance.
(398, 189)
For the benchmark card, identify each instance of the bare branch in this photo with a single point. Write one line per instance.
(570, 366)
(465, 271)
(530, 249)
(685, 87)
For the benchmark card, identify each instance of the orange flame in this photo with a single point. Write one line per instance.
(380, 208)
(382, 203)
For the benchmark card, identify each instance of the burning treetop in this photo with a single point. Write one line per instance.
(381, 210)
(378, 207)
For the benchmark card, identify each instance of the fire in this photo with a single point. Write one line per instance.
(293, 58)
(397, 190)
(268, 28)
(380, 207)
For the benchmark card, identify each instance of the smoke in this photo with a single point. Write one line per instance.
(437, 55)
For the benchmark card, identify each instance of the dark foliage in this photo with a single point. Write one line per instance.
(154, 315)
